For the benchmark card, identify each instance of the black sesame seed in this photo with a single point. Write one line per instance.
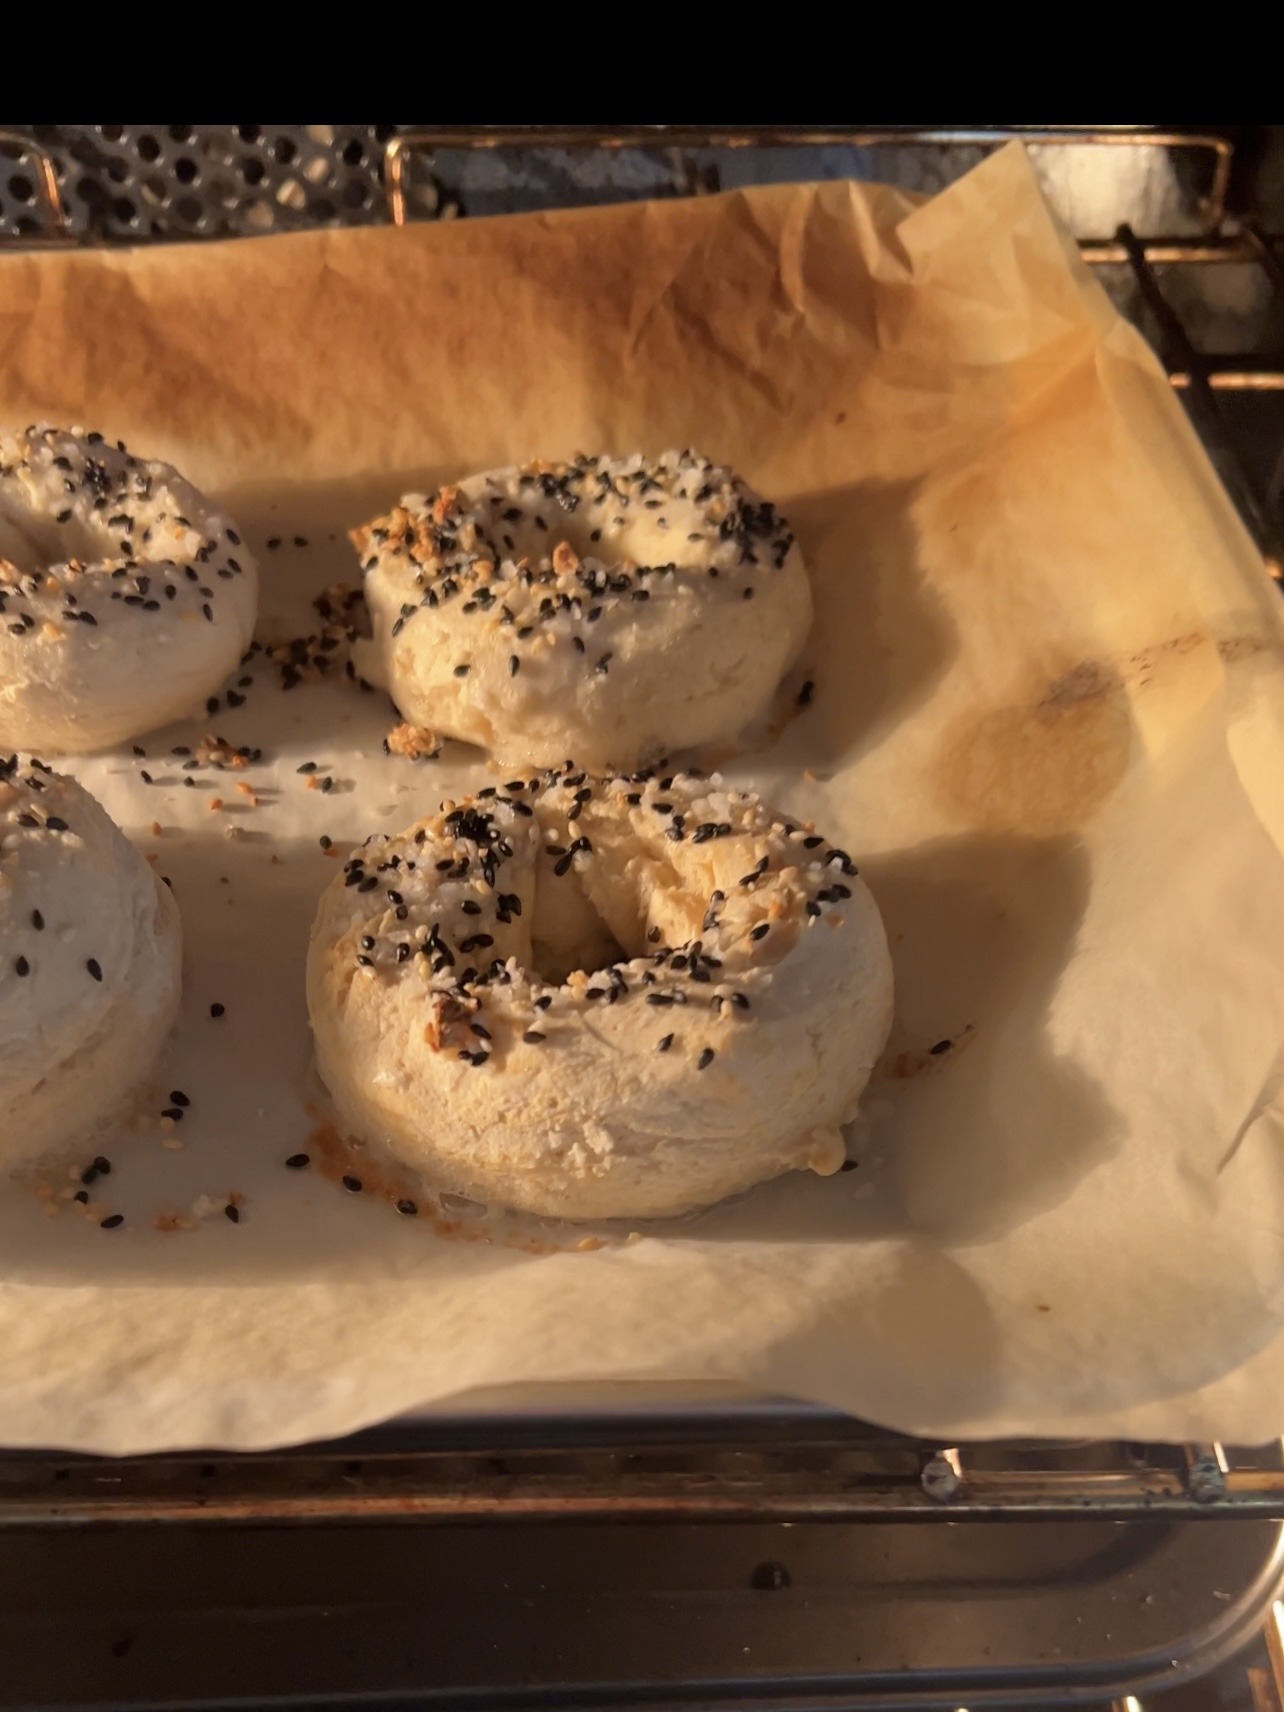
(55, 823)
(462, 671)
(705, 1059)
(532, 1037)
(940, 1047)
(113, 1222)
(217, 1010)
(82, 1197)
(353, 1185)
(407, 1208)
(94, 968)
(805, 694)
(325, 842)
(232, 1213)
(21, 966)
(514, 665)
(761, 931)
(664, 1043)
(297, 1161)
(37, 920)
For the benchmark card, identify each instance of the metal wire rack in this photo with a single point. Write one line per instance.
(103, 184)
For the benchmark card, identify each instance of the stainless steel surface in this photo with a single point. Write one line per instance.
(935, 155)
(677, 1621)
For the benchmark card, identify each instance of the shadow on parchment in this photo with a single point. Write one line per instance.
(998, 1126)
(881, 640)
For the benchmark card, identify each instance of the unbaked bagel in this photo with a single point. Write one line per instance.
(125, 597)
(89, 962)
(600, 998)
(614, 609)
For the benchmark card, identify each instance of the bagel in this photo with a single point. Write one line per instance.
(614, 609)
(597, 998)
(90, 947)
(125, 597)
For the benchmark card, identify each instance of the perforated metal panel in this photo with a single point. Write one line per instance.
(185, 181)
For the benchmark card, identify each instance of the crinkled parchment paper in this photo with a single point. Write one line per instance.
(1047, 719)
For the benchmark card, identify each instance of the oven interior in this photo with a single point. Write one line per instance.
(660, 1547)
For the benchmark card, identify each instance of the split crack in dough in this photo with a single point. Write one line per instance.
(597, 998)
(611, 609)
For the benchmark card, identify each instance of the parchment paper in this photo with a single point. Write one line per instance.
(1047, 719)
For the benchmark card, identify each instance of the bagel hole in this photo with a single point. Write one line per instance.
(567, 931)
(532, 542)
(33, 542)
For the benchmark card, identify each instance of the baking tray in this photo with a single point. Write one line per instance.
(596, 1609)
